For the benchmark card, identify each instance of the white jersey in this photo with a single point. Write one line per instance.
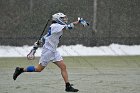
(54, 34)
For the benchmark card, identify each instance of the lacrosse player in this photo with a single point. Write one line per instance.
(49, 52)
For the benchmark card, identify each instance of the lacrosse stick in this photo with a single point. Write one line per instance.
(31, 55)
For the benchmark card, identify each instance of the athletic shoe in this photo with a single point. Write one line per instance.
(17, 72)
(69, 88)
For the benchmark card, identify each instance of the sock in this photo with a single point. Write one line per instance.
(67, 84)
(22, 69)
(30, 69)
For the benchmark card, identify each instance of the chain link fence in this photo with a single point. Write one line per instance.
(111, 21)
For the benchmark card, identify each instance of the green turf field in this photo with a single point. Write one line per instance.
(107, 74)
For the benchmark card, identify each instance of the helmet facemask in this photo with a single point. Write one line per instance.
(64, 19)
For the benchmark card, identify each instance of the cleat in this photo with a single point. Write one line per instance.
(17, 72)
(71, 89)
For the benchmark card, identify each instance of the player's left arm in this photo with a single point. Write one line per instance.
(79, 21)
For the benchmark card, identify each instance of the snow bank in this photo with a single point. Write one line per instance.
(75, 50)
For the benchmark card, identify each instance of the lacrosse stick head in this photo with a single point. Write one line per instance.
(31, 55)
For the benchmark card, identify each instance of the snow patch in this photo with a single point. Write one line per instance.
(75, 50)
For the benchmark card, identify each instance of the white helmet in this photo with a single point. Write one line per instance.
(60, 18)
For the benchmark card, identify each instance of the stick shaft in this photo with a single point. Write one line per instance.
(44, 29)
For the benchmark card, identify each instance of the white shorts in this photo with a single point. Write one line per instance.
(49, 56)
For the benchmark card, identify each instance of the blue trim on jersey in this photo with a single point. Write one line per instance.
(49, 31)
(70, 26)
(30, 69)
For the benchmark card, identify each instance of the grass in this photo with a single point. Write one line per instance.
(75, 61)
(92, 74)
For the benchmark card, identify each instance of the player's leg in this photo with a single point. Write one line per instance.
(45, 58)
(64, 74)
(62, 67)
(38, 68)
(20, 70)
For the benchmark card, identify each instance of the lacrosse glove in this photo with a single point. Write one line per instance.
(37, 44)
(83, 22)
